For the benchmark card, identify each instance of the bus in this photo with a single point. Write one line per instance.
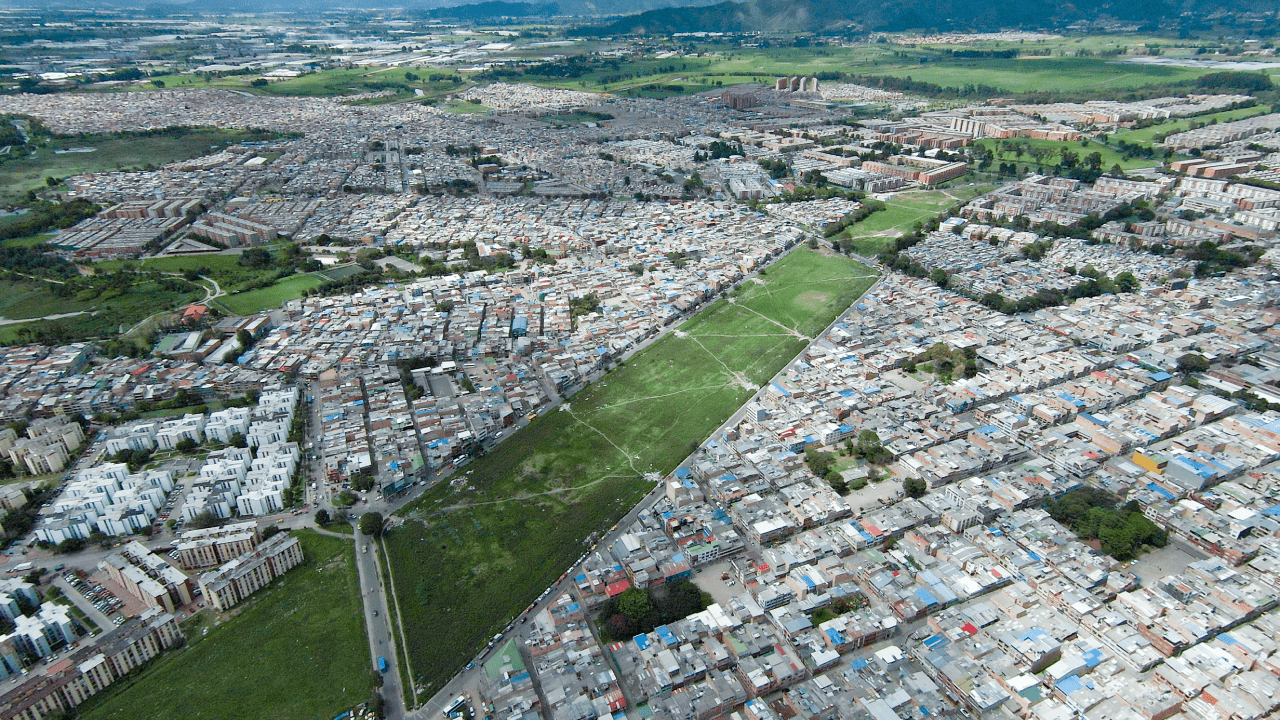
(459, 703)
(382, 664)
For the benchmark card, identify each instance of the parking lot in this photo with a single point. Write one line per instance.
(97, 595)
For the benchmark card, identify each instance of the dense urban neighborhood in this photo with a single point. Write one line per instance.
(388, 367)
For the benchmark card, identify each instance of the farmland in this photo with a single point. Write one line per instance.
(1030, 73)
(533, 499)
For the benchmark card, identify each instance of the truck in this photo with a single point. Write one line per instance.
(21, 568)
(382, 664)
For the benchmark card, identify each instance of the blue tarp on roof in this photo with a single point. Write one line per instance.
(926, 597)
(1168, 495)
(1069, 684)
(933, 641)
(641, 641)
(683, 473)
(667, 637)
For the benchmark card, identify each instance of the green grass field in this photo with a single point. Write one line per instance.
(298, 650)
(29, 240)
(466, 562)
(719, 68)
(252, 301)
(1148, 135)
(232, 278)
(1109, 154)
(21, 300)
(113, 309)
(17, 175)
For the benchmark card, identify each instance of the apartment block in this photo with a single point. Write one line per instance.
(250, 572)
(216, 546)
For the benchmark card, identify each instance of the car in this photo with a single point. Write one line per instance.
(375, 613)
(470, 665)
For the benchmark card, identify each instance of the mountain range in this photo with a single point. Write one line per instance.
(929, 15)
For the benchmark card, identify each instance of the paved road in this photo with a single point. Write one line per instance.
(377, 622)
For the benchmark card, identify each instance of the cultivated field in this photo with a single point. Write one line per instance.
(298, 650)
(469, 560)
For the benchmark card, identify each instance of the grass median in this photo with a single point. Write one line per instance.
(468, 560)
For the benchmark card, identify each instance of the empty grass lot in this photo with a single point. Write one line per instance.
(298, 650)
(902, 211)
(468, 561)
(111, 308)
(1148, 135)
(270, 298)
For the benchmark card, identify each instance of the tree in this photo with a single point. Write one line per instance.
(371, 524)
(322, 517)
(1126, 282)
(271, 531)
(245, 338)
(71, 545)
(185, 445)
(635, 604)
(204, 520)
(362, 480)
(914, 487)
(255, 258)
(1192, 362)
(238, 440)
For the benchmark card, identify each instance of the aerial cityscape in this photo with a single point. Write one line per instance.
(591, 360)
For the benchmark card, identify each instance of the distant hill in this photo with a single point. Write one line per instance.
(894, 15)
(442, 9)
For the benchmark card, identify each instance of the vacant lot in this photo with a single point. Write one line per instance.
(107, 309)
(252, 301)
(902, 211)
(469, 560)
(297, 651)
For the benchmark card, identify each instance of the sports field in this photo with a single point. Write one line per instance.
(468, 561)
(297, 650)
